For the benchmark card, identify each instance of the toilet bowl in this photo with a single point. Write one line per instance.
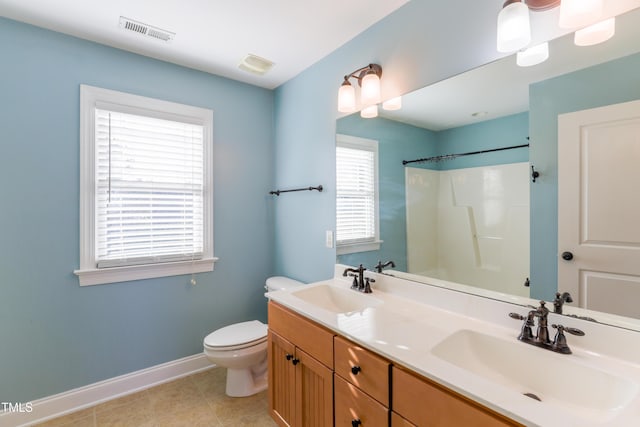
(242, 349)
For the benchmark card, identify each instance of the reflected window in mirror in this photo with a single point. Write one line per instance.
(357, 219)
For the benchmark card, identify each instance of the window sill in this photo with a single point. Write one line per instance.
(99, 276)
(358, 247)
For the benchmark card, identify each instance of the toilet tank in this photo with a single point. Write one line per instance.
(278, 283)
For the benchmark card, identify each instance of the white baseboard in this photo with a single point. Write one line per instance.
(93, 394)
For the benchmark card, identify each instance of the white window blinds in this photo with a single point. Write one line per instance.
(356, 205)
(149, 189)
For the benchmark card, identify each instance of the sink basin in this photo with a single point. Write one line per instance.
(336, 300)
(552, 378)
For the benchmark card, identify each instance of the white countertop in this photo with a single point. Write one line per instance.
(413, 318)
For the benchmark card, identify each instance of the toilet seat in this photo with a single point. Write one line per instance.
(237, 336)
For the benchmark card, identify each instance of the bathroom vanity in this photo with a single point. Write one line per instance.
(416, 355)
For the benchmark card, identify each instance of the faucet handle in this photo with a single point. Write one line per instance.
(525, 333)
(572, 331)
(516, 316)
(560, 341)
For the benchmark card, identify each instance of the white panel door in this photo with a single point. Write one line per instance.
(599, 207)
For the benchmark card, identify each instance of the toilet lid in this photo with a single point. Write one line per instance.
(237, 334)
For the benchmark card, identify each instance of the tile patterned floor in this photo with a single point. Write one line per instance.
(195, 401)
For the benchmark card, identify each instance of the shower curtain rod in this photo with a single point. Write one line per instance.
(453, 156)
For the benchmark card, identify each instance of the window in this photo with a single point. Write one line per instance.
(357, 225)
(145, 188)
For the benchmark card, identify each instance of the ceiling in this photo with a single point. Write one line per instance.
(214, 35)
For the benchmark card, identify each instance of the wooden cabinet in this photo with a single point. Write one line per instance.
(317, 379)
(300, 378)
(427, 404)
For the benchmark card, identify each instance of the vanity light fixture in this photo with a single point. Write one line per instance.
(369, 81)
(514, 27)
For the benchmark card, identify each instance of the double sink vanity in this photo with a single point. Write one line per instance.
(410, 354)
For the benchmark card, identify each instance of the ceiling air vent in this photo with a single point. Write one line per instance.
(146, 30)
(255, 64)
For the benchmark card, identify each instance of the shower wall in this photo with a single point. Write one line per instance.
(470, 225)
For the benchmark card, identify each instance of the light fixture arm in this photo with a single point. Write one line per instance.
(361, 72)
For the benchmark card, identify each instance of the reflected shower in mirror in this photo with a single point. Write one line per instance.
(479, 220)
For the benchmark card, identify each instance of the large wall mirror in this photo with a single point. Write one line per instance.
(463, 210)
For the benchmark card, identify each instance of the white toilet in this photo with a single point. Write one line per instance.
(242, 349)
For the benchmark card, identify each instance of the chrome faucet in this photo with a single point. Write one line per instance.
(360, 283)
(541, 339)
(560, 300)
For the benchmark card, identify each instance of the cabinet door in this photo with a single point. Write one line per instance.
(314, 392)
(282, 375)
(305, 334)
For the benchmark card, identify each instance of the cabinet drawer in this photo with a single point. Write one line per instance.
(428, 405)
(310, 337)
(352, 404)
(362, 368)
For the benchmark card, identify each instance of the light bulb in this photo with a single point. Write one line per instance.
(579, 13)
(346, 98)
(514, 28)
(369, 112)
(370, 93)
(533, 55)
(596, 33)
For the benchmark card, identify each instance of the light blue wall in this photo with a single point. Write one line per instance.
(610, 83)
(54, 335)
(396, 142)
(421, 43)
(502, 132)
(399, 141)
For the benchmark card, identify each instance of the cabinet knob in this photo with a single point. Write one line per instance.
(295, 361)
(567, 256)
(355, 370)
(289, 356)
(356, 423)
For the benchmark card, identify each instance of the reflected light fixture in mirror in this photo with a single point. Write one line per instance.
(596, 33)
(533, 55)
(369, 112)
(514, 28)
(393, 104)
(579, 13)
